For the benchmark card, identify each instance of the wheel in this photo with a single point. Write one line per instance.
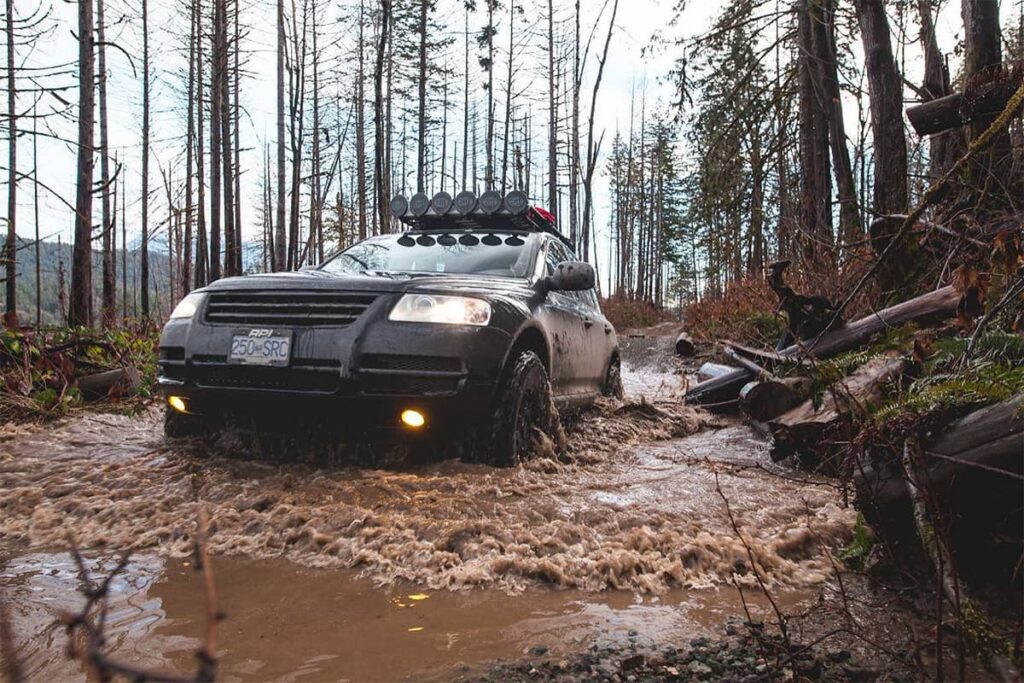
(181, 426)
(524, 408)
(613, 379)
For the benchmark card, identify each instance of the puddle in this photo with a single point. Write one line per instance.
(289, 623)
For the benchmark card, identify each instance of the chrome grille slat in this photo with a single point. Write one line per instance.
(289, 308)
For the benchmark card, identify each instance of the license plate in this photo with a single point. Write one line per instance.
(261, 347)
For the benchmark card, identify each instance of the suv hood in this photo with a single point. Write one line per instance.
(319, 280)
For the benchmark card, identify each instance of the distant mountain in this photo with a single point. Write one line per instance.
(50, 257)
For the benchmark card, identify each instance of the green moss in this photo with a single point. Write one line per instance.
(980, 384)
(856, 551)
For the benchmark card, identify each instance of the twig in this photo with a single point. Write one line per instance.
(89, 623)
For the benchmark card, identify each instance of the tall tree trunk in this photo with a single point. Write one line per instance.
(508, 95)
(316, 242)
(80, 308)
(279, 239)
(202, 244)
(10, 246)
(361, 128)
(989, 171)
(465, 110)
(108, 286)
(190, 131)
(885, 88)
(849, 216)
(552, 120)
(216, 143)
(144, 244)
(35, 209)
(816, 186)
(593, 147)
(489, 142)
(380, 182)
(231, 247)
(236, 123)
(946, 147)
(421, 113)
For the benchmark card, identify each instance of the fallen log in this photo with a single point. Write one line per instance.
(745, 362)
(799, 430)
(953, 111)
(991, 439)
(762, 356)
(939, 304)
(710, 371)
(767, 399)
(685, 347)
(99, 385)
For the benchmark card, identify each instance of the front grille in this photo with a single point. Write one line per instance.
(274, 379)
(409, 363)
(286, 308)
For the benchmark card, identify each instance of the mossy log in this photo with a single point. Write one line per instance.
(800, 430)
(685, 348)
(724, 389)
(767, 399)
(991, 438)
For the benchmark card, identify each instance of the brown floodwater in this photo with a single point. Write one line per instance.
(286, 622)
(317, 559)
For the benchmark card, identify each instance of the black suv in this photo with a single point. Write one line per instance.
(470, 323)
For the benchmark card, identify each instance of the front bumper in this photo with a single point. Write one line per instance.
(359, 376)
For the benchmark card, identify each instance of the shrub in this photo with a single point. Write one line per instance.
(627, 313)
(744, 313)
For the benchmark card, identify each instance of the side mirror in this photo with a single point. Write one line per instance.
(572, 276)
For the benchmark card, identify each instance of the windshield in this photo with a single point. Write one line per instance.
(498, 254)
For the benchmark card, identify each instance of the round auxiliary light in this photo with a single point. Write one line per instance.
(419, 204)
(413, 418)
(178, 403)
(465, 202)
(490, 202)
(517, 203)
(441, 203)
(399, 205)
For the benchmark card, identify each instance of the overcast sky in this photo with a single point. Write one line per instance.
(629, 69)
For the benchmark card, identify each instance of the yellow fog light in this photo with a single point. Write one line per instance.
(413, 418)
(178, 403)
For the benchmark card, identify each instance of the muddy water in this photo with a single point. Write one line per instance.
(316, 625)
(635, 504)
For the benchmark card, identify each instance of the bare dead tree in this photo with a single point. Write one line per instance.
(144, 244)
(594, 147)
(380, 173)
(80, 310)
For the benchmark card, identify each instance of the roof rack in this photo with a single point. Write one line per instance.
(466, 211)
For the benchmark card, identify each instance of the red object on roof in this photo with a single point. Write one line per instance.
(544, 214)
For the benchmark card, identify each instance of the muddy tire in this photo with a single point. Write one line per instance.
(613, 379)
(524, 407)
(180, 426)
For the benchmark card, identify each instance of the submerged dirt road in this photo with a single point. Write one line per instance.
(625, 533)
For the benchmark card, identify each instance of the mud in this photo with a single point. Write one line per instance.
(628, 523)
(316, 625)
(645, 517)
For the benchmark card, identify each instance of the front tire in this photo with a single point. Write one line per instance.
(613, 379)
(524, 409)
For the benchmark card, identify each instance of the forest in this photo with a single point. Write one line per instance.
(766, 148)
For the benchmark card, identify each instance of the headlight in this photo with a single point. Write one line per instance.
(188, 306)
(435, 308)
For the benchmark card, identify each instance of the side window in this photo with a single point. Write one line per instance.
(555, 255)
